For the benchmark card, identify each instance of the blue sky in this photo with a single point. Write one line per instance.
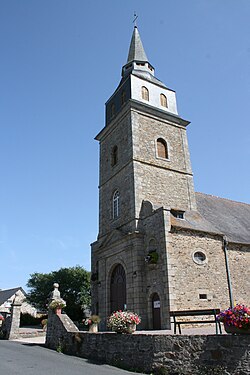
(60, 62)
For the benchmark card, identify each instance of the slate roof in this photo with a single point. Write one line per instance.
(229, 217)
(195, 221)
(149, 77)
(218, 216)
(136, 50)
(7, 293)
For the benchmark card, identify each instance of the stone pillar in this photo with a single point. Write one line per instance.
(55, 299)
(12, 328)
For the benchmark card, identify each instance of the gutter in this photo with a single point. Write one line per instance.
(225, 248)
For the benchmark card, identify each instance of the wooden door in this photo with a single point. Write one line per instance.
(118, 289)
(156, 311)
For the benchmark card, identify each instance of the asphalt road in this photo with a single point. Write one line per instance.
(29, 359)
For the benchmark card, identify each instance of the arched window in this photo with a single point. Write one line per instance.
(164, 102)
(116, 204)
(152, 245)
(114, 156)
(162, 148)
(123, 97)
(145, 93)
(112, 110)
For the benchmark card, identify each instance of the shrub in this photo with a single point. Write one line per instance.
(29, 320)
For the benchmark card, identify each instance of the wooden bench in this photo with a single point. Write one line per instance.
(211, 312)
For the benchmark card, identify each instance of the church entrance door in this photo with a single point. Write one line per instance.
(156, 311)
(118, 289)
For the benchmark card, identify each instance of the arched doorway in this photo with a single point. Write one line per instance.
(118, 289)
(156, 311)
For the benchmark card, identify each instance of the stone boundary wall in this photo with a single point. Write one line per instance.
(150, 353)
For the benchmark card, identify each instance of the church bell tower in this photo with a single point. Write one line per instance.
(145, 174)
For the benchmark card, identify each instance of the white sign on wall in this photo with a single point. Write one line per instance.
(157, 304)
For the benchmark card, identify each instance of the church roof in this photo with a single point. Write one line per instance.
(227, 216)
(194, 221)
(136, 50)
(218, 216)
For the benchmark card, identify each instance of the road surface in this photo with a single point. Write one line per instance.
(30, 359)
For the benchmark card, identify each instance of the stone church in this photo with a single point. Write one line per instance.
(160, 246)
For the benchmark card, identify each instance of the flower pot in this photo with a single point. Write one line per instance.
(236, 330)
(93, 328)
(131, 328)
(58, 311)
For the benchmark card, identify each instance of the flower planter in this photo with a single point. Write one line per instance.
(57, 305)
(131, 328)
(93, 328)
(92, 323)
(58, 311)
(123, 321)
(236, 331)
(234, 317)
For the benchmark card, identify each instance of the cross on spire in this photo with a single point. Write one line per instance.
(135, 18)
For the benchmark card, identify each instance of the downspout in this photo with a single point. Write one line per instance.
(225, 248)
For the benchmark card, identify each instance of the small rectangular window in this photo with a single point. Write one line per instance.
(203, 296)
(178, 214)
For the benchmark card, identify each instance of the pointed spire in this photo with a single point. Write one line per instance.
(136, 50)
(137, 59)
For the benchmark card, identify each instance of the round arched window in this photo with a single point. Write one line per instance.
(145, 93)
(163, 99)
(162, 148)
(114, 156)
(199, 257)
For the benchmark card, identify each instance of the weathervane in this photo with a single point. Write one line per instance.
(135, 18)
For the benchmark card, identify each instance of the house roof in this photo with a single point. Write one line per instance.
(8, 293)
(218, 216)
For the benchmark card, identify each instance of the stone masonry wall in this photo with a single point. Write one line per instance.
(239, 263)
(127, 251)
(158, 354)
(187, 279)
(58, 328)
(154, 227)
(161, 186)
(167, 182)
(116, 177)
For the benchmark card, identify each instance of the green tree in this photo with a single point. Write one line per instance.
(74, 285)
